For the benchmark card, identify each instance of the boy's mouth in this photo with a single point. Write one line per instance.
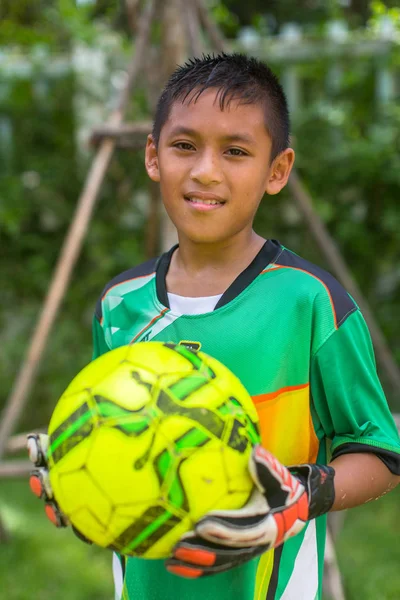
(204, 199)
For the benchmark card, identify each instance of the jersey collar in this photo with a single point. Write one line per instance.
(267, 255)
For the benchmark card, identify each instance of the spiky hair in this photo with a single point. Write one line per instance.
(235, 77)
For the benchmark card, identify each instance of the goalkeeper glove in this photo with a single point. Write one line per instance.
(282, 502)
(39, 481)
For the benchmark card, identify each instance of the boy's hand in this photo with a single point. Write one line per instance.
(39, 481)
(281, 504)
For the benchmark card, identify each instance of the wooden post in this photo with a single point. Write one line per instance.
(212, 30)
(173, 53)
(192, 26)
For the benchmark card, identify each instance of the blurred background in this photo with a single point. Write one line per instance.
(63, 65)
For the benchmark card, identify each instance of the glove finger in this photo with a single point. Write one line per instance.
(272, 477)
(236, 528)
(238, 532)
(193, 557)
(37, 446)
(255, 508)
(54, 514)
(40, 485)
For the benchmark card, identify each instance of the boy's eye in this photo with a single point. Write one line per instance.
(184, 146)
(237, 152)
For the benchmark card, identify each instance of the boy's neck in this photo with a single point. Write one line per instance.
(208, 269)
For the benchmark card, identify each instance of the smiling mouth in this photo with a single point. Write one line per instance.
(203, 201)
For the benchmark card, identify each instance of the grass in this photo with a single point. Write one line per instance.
(42, 562)
(368, 550)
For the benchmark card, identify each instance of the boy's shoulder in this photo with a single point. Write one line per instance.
(143, 270)
(127, 281)
(306, 275)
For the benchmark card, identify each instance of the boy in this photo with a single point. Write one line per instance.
(285, 327)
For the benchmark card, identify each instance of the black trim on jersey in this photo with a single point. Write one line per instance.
(265, 256)
(273, 582)
(161, 274)
(343, 305)
(390, 459)
(141, 270)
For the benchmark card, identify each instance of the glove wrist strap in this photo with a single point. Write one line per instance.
(319, 483)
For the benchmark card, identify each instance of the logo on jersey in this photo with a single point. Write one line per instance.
(146, 337)
(193, 346)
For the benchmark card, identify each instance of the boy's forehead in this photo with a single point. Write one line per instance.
(204, 110)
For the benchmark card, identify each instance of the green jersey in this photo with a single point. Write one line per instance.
(299, 344)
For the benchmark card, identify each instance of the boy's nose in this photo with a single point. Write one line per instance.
(207, 169)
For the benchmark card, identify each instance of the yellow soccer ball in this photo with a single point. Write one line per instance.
(145, 441)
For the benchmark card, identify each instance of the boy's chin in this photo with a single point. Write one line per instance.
(202, 237)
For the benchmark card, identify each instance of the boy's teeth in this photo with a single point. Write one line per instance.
(198, 200)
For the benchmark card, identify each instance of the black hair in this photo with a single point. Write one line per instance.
(237, 78)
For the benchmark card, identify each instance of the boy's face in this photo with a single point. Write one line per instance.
(214, 167)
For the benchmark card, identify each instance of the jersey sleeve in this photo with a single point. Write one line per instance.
(349, 403)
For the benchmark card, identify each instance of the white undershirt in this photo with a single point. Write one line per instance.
(182, 305)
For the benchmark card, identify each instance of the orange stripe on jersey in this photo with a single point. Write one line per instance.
(162, 313)
(286, 424)
(276, 267)
(272, 395)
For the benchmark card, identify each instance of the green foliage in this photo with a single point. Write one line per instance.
(355, 182)
(368, 550)
(43, 562)
(52, 22)
(381, 9)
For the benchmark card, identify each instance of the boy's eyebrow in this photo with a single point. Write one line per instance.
(235, 137)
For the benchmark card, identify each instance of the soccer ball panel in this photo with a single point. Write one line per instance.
(97, 370)
(171, 537)
(71, 413)
(209, 485)
(229, 384)
(121, 464)
(130, 384)
(159, 358)
(78, 495)
(133, 530)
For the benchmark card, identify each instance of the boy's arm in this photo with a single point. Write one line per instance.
(351, 410)
(360, 478)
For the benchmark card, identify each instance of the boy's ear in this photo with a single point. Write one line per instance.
(280, 171)
(151, 159)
